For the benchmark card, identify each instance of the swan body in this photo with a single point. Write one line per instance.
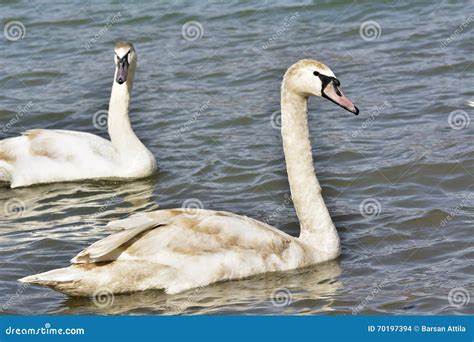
(180, 249)
(46, 156)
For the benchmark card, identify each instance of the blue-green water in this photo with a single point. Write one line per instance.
(397, 179)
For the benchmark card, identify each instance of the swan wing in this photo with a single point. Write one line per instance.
(183, 232)
(176, 250)
(63, 144)
(182, 237)
(42, 156)
(107, 248)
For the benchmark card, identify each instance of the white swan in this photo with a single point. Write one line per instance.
(47, 156)
(179, 249)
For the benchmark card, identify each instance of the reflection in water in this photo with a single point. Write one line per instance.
(305, 291)
(90, 201)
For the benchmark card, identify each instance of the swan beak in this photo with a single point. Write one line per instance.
(122, 70)
(332, 92)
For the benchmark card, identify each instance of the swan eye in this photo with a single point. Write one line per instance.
(316, 73)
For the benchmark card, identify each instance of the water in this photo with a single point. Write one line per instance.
(204, 108)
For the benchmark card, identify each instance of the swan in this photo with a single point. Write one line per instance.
(48, 156)
(179, 249)
(316, 284)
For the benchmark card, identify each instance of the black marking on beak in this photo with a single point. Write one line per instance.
(122, 69)
(334, 95)
(325, 80)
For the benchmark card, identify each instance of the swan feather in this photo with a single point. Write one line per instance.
(176, 250)
(44, 156)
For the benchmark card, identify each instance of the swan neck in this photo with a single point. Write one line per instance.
(317, 228)
(120, 130)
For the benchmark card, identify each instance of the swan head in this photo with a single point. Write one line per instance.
(125, 61)
(308, 77)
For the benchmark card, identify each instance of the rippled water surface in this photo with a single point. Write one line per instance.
(397, 179)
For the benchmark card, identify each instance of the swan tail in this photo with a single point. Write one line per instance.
(67, 280)
(91, 280)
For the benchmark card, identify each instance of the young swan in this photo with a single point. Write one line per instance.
(179, 249)
(46, 156)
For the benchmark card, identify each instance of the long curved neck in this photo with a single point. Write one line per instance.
(120, 130)
(317, 228)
